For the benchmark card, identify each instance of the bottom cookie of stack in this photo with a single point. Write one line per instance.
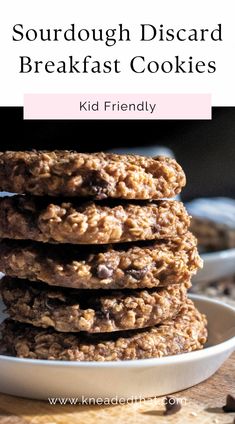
(185, 333)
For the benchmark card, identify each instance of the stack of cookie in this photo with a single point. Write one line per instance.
(97, 263)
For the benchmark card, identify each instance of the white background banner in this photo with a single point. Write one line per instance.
(105, 14)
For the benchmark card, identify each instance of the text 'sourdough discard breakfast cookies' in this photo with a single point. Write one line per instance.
(96, 312)
(143, 265)
(187, 332)
(65, 173)
(39, 219)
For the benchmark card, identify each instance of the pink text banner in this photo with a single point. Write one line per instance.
(117, 106)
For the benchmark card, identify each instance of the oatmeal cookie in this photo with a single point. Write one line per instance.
(143, 265)
(38, 219)
(187, 332)
(66, 173)
(71, 310)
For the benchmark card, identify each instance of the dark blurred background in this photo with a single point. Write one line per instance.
(205, 149)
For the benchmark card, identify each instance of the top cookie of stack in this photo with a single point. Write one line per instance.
(101, 175)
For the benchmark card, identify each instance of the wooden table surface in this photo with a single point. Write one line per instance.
(202, 405)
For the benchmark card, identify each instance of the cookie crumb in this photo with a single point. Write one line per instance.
(172, 406)
(193, 414)
(230, 404)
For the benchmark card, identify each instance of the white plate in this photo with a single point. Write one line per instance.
(216, 265)
(40, 379)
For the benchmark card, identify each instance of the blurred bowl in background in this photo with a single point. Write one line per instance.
(213, 223)
(216, 265)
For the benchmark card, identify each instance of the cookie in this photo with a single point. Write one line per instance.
(66, 173)
(186, 333)
(144, 265)
(38, 219)
(71, 310)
